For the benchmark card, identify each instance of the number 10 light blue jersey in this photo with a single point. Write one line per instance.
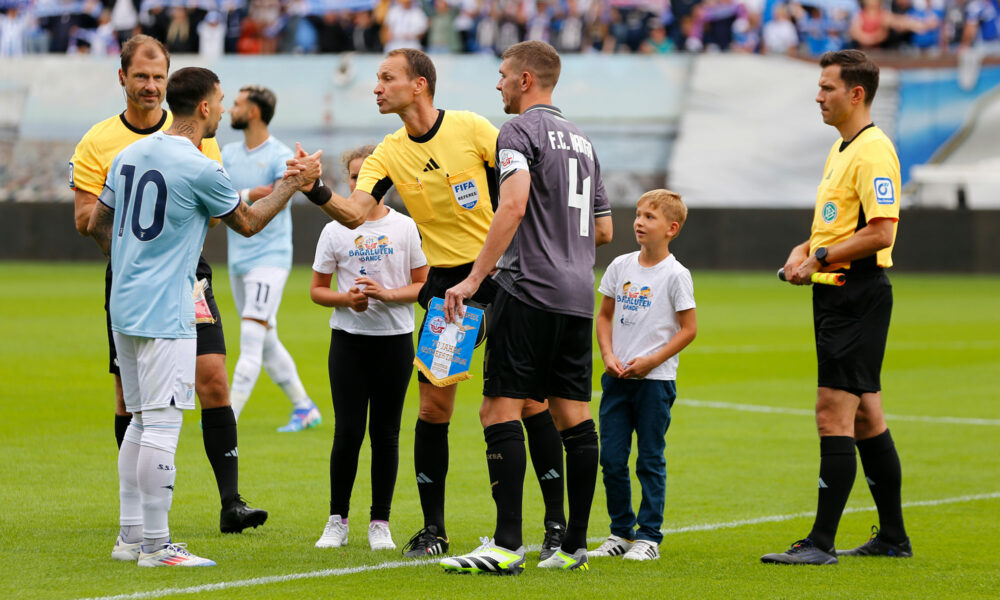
(163, 190)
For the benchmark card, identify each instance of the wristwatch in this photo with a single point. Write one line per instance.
(821, 256)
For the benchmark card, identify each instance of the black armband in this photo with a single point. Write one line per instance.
(320, 194)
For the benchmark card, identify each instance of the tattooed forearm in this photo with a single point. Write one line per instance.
(102, 222)
(248, 220)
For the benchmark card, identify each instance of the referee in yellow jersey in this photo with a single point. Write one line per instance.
(853, 231)
(441, 163)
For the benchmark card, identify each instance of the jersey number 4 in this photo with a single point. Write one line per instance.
(582, 200)
(155, 178)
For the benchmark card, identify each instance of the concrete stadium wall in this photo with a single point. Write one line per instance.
(930, 240)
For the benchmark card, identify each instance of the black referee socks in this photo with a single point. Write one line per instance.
(837, 468)
(430, 463)
(218, 431)
(121, 425)
(885, 477)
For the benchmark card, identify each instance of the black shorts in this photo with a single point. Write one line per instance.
(211, 339)
(532, 353)
(439, 279)
(851, 325)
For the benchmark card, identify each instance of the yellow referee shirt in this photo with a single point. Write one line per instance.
(88, 169)
(446, 180)
(860, 183)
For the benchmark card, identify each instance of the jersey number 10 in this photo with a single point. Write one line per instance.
(582, 200)
(159, 210)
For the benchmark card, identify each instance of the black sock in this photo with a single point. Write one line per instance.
(430, 462)
(885, 478)
(546, 449)
(582, 455)
(121, 424)
(505, 457)
(219, 434)
(837, 469)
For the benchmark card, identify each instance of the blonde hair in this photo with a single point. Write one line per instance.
(356, 153)
(669, 203)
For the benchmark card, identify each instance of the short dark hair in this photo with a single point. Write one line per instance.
(855, 69)
(134, 43)
(418, 64)
(263, 98)
(537, 57)
(187, 88)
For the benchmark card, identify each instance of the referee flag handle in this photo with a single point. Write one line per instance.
(837, 279)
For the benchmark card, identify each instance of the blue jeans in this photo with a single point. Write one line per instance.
(642, 406)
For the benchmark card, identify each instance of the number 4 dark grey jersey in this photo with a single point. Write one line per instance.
(550, 262)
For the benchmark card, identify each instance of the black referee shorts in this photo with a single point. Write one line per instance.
(851, 324)
(439, 279)
(532, 353)
(211, 339)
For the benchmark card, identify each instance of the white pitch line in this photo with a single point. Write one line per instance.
(211, 587)
(805, 412)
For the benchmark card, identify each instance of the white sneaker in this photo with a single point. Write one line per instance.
(613, 546)
(487, 558)
(379, 537)
(334, 534)
(125, 551)
(173, 555)
(643, 550)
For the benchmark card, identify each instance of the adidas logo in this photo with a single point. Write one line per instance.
(431, 166)
(822, 484)
(552, 474)
(234, 453)
(869, 480)
(421, 478)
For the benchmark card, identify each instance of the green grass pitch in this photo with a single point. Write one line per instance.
(741, 454)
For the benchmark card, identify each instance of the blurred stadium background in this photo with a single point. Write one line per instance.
(729, 123)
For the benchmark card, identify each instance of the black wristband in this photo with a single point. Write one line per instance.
(320, 194)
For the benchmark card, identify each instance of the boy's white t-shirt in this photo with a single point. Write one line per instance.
(647, 300)
(384, 250)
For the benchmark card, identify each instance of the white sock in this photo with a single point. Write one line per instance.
(130, 502)
(156, 473)
(252, 335)
(281, 369)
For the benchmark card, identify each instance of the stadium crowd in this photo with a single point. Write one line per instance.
(216, 27)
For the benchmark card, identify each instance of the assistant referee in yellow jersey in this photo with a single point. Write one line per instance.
(853, 231)
(441, 163)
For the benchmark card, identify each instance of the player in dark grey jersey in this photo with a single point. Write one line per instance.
(553, 212)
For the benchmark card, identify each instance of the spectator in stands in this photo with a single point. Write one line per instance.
(926, 23)
(870, 25)
(124, 18)
(211, 37)
(367, 33)
(441, 34)
(981, 28)
(405, 23)
(181, 37)
(779, 34)
(658, 41)
(568, 28)
(14, 26)
(333, 32)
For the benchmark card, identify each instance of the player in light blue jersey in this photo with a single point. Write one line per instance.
(152, 217)
(258, 267)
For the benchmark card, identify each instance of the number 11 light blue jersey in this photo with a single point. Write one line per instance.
(163, 190)
(263, 165)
